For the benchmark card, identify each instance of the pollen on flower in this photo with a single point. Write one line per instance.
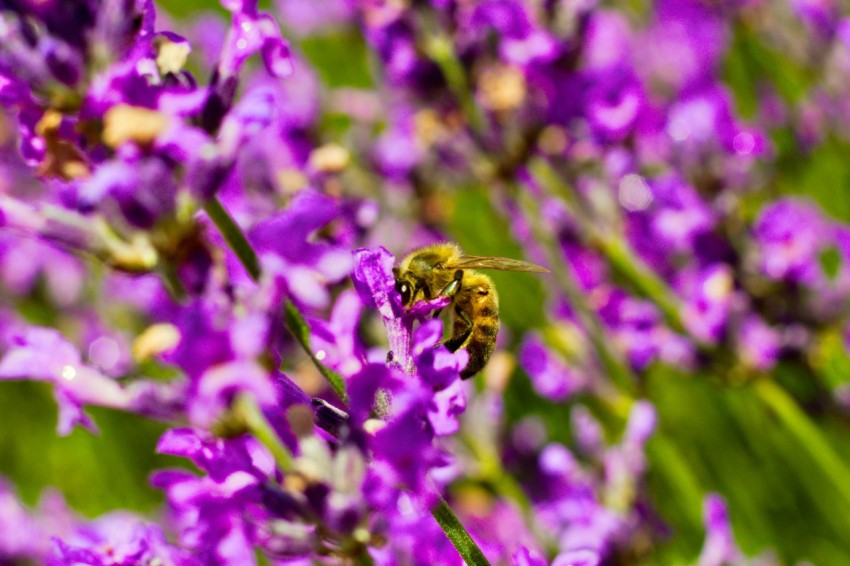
(171, 55)
(291, 181)
(69, 373)
(329, 158)
(123, 123)
(553, 140)
(154, 340)
(718, 285)
(372, 426)
(502, 88)
(361, 535)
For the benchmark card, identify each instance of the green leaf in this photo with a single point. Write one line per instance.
(458, 535)
(248, 257)
(808, 435)
(340, 57)
(830, 360)
(247, 408)
(298, 326)
(830, 261)
(234, 237)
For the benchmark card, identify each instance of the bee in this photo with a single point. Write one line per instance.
(443, 270)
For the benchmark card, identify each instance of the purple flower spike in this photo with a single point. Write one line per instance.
(435, 365)
(551, 377)
(759, 344)
(220, 384)
(719, 547)
(250, 32)
(577, 558)
(526, 557)
(789, 234)
(43, 354)
(118, 539)
(446, 407)
(374, 281)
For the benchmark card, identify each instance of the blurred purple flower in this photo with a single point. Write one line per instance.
(521, 41)
(688, 36)
(251, 32)
(758, 343)
(43, 354)
(308, 18)
(719, 547)
(118, 539)
(580, 557)
(789, 234)
(550, 375)
(587, 431)
(25, 533)
(303, 263)
(336, 341)
(25, 260)
(709, 297)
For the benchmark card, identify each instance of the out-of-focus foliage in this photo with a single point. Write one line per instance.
(772, 441)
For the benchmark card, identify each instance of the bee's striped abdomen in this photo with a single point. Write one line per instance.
(479, 303)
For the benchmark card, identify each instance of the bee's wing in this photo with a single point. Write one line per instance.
(499, 263)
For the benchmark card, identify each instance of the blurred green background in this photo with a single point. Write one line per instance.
(779, 459)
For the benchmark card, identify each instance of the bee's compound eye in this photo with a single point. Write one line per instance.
(404, 289)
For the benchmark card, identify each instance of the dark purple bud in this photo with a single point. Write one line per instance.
(280, 503)
(219, 101)
(330, 419)
(65, 63)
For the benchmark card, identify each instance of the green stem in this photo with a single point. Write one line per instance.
(248, 257)
(298, 327)
(614, 364)
(492, 471)
(234, 237)
(458, 535)
(809, 437)
(625, 261)
(683, 486)
(246, 406)
(440, 49)
(615, 249)
(172, 281)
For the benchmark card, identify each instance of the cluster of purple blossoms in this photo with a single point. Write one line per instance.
(177, 209)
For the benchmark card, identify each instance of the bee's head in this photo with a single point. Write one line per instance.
(405, 287)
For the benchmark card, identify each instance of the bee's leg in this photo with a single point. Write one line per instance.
(459, 339)
(451, 289)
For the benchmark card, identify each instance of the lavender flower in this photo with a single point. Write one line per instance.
(789, 235)
(552, 377)
(42, 354)
(719, 546)
(181, 228)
